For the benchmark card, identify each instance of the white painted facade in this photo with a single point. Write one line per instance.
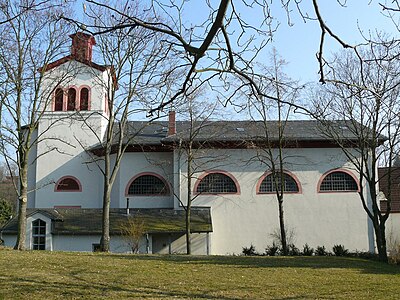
(315, 218)
(238, 220)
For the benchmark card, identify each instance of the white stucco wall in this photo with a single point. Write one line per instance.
(9, 240)
(135, 163)
(176, 244)
(315, 218)
(32, 172)
(238, 220)
(29, 237)
(85, 243)
(64, 138)
(393, 231)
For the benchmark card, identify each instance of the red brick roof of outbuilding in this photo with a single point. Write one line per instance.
(394, 190)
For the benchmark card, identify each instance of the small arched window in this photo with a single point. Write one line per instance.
(216, 183)
(84, 99)
(58, 100)
(68, 184)
(338, 181)
(71, 104)
(148, 185)
(39, 235)
(268, 184)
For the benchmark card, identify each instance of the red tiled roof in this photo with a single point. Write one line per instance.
(394, 187)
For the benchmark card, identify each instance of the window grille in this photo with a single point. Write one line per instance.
(68, 184)
(39, 235)
(148, 185)
(338, 181)
(216, 183)
(268, 184)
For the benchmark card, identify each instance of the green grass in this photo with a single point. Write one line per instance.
(57, 275)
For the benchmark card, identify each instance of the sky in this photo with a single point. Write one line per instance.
(299, 43)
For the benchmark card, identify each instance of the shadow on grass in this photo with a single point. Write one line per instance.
(23, 287)
(313, 262)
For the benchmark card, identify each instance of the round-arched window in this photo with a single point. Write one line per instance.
(338, 181)
(68, 184)
(270, 184)
(148, 185)
(216, 183)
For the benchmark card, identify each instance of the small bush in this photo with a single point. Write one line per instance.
(340, 250)
(249, 251)
(307, 250)
(321, 251)
(272, 250)
(6, 211)
(394, 256)
(363, 254)
(293, 250)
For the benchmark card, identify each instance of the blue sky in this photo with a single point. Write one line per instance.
(298, 44)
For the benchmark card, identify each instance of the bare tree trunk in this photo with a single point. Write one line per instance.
(379, 228)
(282, 228)
(189, 203)
(22, 205)
(105, 233)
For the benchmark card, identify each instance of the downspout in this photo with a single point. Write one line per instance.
(127, 206)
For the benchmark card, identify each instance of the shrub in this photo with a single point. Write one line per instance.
(132, 231)
(340, 250)
(364, 255)
(321, 251)
(394, 256)
(393, 246)
(290, 236)
(293, 250)
(249, 251)
(272, 250)
(6, 211)
(307, 250)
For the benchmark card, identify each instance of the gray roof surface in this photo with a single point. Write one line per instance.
(88, 221)
(156, 133)
(253, 130)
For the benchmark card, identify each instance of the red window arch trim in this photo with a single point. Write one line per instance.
(147, 195)
(54, 103)
(334, 171)
(68, 191)
(76, 100)
(77, 97)
(208, 172)
(285, 172)
(89, 96)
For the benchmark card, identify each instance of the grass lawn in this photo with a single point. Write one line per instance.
(59, 275)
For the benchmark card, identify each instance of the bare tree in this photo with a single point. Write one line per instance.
(271, 147)
(132, 231)
(366, 94)
(191, 150)
(137, 60)
(224, 46)
(31, 39)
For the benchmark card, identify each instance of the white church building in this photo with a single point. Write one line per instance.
(235, 203)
